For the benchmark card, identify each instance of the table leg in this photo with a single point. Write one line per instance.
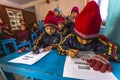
(6, 75)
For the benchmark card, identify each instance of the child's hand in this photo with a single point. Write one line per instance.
(100, 63)
(47, 48)
(35, 49)
(73, 53)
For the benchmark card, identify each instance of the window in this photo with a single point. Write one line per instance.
(103, 4)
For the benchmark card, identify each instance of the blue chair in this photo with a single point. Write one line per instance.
(41, 26)
(33, 37)
(27, 43)
(1, 51)
(5, 48)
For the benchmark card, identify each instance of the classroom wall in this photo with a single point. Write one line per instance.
(65, 6)
(11, 4)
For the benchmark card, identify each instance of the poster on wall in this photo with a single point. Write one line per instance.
(14, 17)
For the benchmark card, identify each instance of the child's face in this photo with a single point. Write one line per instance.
(35, 25)
(22, 23)
(56, 13)
(60, 25)
(22, 27)
(73, 14)
(50, 30)
(83, 41)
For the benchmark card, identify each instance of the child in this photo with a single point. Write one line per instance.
(5, 31)
(23, 34)
(62, 28)
(57, 12)
(74, 13)
(35, 29)
(70, 20)
(50, 38)
(86, 38)
(6, 34)
(22, 22)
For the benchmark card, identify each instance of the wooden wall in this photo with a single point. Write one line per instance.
(28, 16)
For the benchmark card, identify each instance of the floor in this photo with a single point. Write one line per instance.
(17, 77)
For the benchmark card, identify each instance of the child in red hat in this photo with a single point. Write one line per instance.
(74, 12)
(86, 38)
(62, 28)
(70, 20)
(50, 38)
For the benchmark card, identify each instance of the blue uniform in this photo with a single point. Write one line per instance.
(97, 45)
(46, 39)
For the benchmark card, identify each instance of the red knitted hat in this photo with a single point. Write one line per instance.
(88, 22)
(61, 20)
(50, 20)
(75, 9)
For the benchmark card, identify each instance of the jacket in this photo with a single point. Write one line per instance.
(46, 39)
(98, 46)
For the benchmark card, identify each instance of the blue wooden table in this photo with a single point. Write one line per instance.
(48, 68)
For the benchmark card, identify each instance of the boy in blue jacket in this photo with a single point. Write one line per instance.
(51, 37)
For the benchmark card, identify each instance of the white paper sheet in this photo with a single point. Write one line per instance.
(77, 68)
(29, 58)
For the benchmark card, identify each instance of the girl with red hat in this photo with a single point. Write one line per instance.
(70, 20)
(86, 38)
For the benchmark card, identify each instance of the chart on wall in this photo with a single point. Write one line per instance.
(14, 17)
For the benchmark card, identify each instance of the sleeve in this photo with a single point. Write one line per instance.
(8, 32)
(60, 38)
(18, 36)
(106, 47)
(64, 46)
(39, 40)
(32, 30)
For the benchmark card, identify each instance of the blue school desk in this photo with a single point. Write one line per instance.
(48, 68)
